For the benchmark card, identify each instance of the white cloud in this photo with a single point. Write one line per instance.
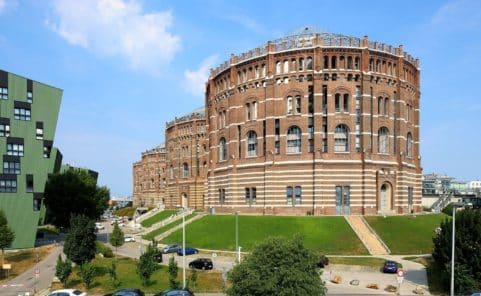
(460, 14)
(117, 28)
(2, 4)
(195, 80)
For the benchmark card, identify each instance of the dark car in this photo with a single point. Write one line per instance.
(201, 263)
(172, 248)
(128, 292)
(188, 251)
(389, 267)
(176, 292)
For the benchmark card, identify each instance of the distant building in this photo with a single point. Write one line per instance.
(458, 186)
(434, 184)
(28, 119)
(474, 185)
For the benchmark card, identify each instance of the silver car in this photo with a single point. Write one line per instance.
(172, 248)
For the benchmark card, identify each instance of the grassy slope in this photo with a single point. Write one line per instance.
(154, 233)
(407, 234)
(329, 235)
(157, 218)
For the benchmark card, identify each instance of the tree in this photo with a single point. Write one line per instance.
(63, 269)
(6, 235)
(467, 251)
(173, 270)
(277, 266)
(113, 274)
(147, 265)
(79, 244)
(87, 274)
(74, 192)
(117, 237)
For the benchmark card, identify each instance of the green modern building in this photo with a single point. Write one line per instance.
(28, 119)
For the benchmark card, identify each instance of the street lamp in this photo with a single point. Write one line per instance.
(237, 235)
(455, 205)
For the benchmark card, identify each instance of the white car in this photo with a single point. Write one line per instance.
(99, 226)
(129, 238)
(67, 292)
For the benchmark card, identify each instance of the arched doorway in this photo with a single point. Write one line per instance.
(385, 201)
(185, 201)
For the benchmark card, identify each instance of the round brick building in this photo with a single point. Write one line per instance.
(315, 123)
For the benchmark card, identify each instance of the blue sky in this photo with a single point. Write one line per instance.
(128, 66)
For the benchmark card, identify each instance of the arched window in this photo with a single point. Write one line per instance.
(341, 138)
(357, 62)
(278, 67)
(294, 136)
(326, 62)
(334, 62)
(185, 170)
(379, 105)
(222, 149)
(171, 172)
(349, 62)
(386, 106)
(263, 70)
(286, 66)
(309, 63)
(293, 64)
(301, 64)
(251, 143)
(383, 140)
(409, 145)
(289, 105)
(371, 65)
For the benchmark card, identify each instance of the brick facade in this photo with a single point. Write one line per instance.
(313, 123)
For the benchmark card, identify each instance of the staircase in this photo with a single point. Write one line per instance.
(442, 202)
(367, 235)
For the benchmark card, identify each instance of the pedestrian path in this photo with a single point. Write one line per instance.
(368, 237)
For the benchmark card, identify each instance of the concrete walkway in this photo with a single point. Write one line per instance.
(368, 237)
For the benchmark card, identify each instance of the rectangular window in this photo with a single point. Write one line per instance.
(222, 196)
(298, 193)
(311, 145)
(14, 149)
(4, 130)
(346, 103)
(21, 114)
(37, 204)
(289, 195)
(298, 105)
(289, 105)
(251, 195)
(277, 143)
(248, 196)
(254, 110)
(30, 97)
(11, 167)
(248, 112)
(337, 102)
(410, 196)
(3, 93)
(39, 134)
(8, 186)
(47, 148)
(29, 182)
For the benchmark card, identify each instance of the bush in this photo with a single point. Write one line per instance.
(101, 248)
(448, 210)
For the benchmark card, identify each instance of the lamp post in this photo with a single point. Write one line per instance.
(183, 250)
(237, 234)
(455, 205)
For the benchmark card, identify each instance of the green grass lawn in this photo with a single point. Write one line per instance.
(207, 281)
(407, 234)
(328, 235)
(154, 233)
(363, 261)
(157, 218)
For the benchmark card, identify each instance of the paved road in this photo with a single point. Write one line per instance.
(28, 282)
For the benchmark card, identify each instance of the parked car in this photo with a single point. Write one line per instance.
(201, 263)
(128, 292)
(176, 292)
(129, 238)
(188, 251)
(99, 226)
(389, 267)
(172, 248)
(67, 292)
